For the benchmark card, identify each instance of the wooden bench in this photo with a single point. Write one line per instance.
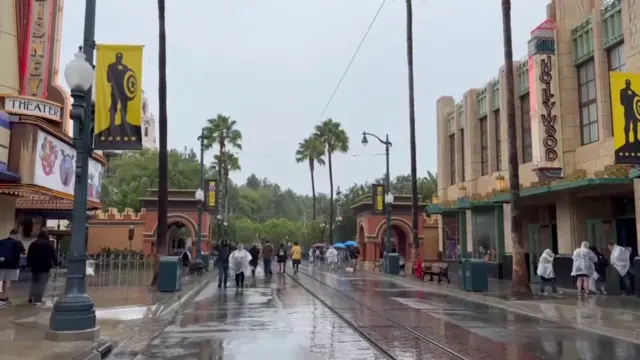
(441, 270)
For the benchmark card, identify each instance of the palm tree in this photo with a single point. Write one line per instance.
(228, 162)
(311, 150)
(222, 131)
(335, 139)
(415, 210)
(520, 278)
(163, 157)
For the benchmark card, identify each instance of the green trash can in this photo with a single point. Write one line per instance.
(461, 274)
(206, 260)
(394, 263)
(169, 279)
(476, 276)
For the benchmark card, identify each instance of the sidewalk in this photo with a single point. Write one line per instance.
(615, 316)
(123, 313)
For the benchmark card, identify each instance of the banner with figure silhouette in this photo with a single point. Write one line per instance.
(118, 97)
(625, 110)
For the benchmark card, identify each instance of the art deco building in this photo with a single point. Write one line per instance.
(571, 189)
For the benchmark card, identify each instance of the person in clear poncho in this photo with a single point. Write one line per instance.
(546, 272)
(239, 263)
(621, 260)
(583, 267)
(332, 258)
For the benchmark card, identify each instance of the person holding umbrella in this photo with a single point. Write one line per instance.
(354, 253)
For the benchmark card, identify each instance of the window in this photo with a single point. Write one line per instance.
(496, 119)
(462, 153)
(588, 106)
(485, 241)
(527, 152)
(146, 131)
(452, 158)
(615, 56)
(484, 146)
(450, 237)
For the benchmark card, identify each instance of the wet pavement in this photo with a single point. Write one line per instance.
(268, 319)
(472, 329)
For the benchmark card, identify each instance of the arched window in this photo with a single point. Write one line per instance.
(146, 131)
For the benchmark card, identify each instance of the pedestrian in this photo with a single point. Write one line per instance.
(255, 257)
(332, 258)
(41, 257)
(583, 267)
(267, 255)
(620, 259)
(597, 281)
(546, 272)
(318, 256)
(354, 254)
(239, 260)
(10, 251)
(222, 262)
(296, 256)
(282, 259)
(311, 257)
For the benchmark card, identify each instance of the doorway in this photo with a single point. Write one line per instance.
(541, 237)
(626, 234)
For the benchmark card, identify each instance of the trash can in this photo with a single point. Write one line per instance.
(476, 276)
(206, 259)
(169, 279)
(461, 273)
(394, 263)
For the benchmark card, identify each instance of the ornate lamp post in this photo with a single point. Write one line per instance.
(74, 312)
(200, 198)
(388, 199)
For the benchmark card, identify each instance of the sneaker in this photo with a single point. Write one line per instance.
(3, 304)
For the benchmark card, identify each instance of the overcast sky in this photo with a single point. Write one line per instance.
(272, 65)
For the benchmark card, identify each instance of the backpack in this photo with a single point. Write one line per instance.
(6, 250)
(281, 252)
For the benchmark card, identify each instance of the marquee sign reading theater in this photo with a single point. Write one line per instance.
(546, 134)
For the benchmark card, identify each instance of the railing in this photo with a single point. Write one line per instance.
(107, 270)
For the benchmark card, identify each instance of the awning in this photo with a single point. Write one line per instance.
(32, 197)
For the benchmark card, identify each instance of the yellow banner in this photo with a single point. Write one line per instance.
(118, 97)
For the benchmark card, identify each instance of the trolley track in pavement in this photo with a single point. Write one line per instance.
(452, 354)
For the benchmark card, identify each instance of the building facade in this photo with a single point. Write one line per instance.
(571, 190)
(37, 157)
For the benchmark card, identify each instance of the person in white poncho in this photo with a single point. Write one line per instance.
(583, 267)
(546, 272)
(620, 259)
(332, 257)
(239, 264)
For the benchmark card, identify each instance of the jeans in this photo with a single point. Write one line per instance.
(626, 282)
(267, 266)
(544, 281)
(223, 272)
(38, 285)
(240, 279)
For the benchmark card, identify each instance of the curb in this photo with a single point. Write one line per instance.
(97, 351)
(495, 303)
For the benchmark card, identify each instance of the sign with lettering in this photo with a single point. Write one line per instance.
(37, 49)
(28, 106)
(211, 196)
(377, 196)
(546, 136)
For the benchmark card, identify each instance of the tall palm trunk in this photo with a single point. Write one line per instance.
(226, 191)
(520, 276)
(313, 185)
(415, 210)
(163, 186)
(330, 197)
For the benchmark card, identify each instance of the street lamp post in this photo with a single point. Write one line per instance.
(200, 199)
(388, 199)
(75, 312)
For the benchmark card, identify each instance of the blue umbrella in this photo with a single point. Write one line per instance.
(339, 246)
(350, 243)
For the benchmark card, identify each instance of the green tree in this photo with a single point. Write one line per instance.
(335, 140)
(280, 230)
(228, 162)
(520, 276)
(244, 230)
(130, 175)
(311, 150)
